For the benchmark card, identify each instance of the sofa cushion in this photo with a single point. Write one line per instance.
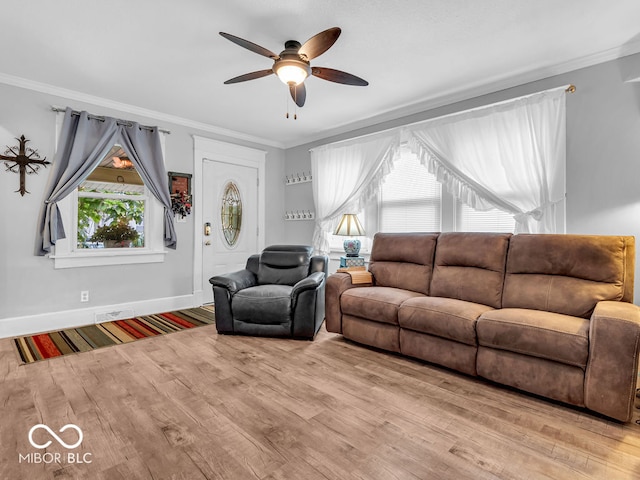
(379, 304)
(470, 267)
(263, 304)
(553, 336)
(444, 317)
(568, 274)
(403, 260)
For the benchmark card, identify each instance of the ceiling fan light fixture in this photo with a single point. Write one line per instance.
(292, 64)
(292, 72)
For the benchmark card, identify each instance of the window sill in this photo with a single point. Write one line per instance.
(104, 258)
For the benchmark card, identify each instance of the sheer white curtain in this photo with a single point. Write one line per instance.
(345, 176)
(510, 155)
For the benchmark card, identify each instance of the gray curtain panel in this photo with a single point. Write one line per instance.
(144, 150)
(84, 141)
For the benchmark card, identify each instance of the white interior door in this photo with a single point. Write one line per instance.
(219, 255)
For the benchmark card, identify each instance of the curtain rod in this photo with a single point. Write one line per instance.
(101, 119)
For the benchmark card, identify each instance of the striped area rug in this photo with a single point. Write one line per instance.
(33, 348)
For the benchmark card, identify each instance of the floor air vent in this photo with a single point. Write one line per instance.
(114, 315)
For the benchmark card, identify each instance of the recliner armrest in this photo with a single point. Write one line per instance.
(311, 282)
(235, 281)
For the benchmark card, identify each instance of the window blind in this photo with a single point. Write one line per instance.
(470, 220)
(410, 199)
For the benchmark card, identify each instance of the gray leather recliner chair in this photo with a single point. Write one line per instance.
(279, 293)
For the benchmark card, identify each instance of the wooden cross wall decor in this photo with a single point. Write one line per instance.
(25, 161)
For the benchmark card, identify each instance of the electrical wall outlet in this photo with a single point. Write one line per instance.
(84, 296)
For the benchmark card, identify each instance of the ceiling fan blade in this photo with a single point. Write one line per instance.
(249, 76)
(338, 76)
(250, 45)
(320, 43)
(298, 93)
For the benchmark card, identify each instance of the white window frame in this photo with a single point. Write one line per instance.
(67, 255)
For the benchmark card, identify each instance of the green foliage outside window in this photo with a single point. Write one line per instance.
(94, 213)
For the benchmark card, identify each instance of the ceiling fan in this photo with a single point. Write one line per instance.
(292, 64)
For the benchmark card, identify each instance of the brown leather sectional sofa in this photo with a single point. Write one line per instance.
(547, 314)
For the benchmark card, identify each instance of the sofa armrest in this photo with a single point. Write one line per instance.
(337, 284)
(612, 369)
(235, 281)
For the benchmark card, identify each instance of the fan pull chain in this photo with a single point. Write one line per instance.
(295, 104)
(287, 101)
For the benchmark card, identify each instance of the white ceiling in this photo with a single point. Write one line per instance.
(166, 56)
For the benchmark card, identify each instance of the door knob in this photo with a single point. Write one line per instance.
(207, 243)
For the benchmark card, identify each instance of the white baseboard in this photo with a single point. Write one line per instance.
(46, 322)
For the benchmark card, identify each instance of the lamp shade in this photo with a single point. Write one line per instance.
(349, 226)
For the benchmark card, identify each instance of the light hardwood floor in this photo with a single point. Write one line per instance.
(196, 405)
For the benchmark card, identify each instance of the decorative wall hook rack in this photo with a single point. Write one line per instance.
(298, 178)
(25, 160)
(299, 215)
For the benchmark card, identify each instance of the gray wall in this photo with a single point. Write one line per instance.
(30, 285)
(603, 149)
(603, 168)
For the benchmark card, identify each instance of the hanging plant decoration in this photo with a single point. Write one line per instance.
(25, 161)
(181, 203)
(180, 190)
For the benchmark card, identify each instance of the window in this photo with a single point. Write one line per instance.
(494, 220)
(112, 205)
(410, 198)
(77, 250)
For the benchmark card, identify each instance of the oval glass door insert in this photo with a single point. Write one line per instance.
(231, 213)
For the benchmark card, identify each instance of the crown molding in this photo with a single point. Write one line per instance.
(475, 89)
(132, 109)
(465, 92)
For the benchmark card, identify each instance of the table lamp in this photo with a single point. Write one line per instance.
(350, 226)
